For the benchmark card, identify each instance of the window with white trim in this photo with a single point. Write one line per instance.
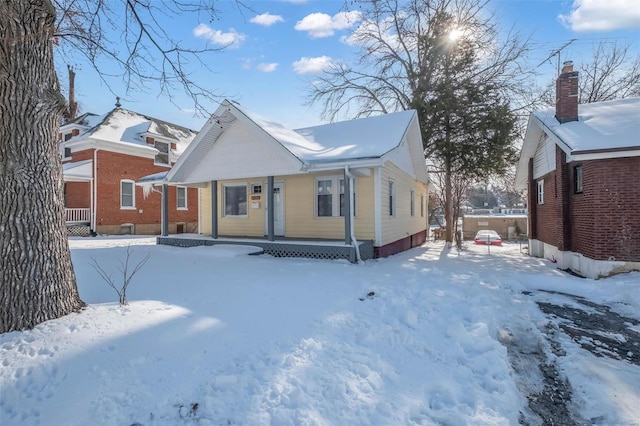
(413, 203)
(541, 191)
(127, 194)
(181, 197)
(330, 196)
(235, 200)
(392, 198)
(162, 157)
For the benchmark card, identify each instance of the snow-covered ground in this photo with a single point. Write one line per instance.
(214, 336)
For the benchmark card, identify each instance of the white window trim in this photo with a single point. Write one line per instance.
(540, 191)
(133, 197)
(186, 205)
(168, 163)
(391, 196)
(224, 199)
(335, 195)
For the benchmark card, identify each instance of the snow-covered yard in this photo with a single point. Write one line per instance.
(214, 336)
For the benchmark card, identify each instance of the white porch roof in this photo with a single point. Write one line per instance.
(78, 171)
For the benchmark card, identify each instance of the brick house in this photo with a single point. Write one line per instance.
(581, 166)
(104, 156)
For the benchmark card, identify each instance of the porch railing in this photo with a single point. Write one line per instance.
(78, 215)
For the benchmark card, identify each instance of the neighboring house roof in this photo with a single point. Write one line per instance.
(78, 171)
(604, 130)
(363, 142)
(124, 127)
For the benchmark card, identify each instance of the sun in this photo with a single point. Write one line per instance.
(455, 34)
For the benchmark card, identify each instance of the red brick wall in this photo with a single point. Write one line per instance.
(603, 222)
(113, 167)
(549, 215)
(78, 195)
(606, 216)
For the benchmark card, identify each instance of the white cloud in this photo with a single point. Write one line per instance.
(231, 39)
(360, 37)
(266, 19)
(599, 15)
(312, 65)
(320, 25)
(264, 67)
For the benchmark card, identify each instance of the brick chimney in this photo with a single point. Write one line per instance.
(567, 94)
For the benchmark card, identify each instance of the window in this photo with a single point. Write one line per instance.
(353, 201)
(67, 136)
(163, 153)
(256, 188)
(235, 200)
(413, 203)
(181, 195)
(577, 178)
(392, 196)
(541, 191)
(324, 197)
(127, 194)
(329, 201)
(67, 152)
(422, 206)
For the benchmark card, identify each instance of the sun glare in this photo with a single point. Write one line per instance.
(455, 34)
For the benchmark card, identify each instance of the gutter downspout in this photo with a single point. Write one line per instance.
(354, 242)
(94, 194)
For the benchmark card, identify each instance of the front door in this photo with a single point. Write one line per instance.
(278, 210)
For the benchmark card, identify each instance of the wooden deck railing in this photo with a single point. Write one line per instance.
(78, 215)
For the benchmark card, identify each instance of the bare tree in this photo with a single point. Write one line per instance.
(125, 270)
(442, 58)
(36, 274)
(613, 72)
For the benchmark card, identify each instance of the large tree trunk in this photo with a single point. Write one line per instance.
(36, 275)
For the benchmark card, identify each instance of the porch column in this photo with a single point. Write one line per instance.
(347, 208)
(214, 209)
(165, 210)
(270, 210)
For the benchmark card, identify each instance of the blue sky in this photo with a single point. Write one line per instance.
(278, 46)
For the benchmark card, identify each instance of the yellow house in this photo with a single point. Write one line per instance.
(355, 189)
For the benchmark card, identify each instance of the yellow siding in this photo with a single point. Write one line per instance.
(300, 204)
(205, 210)
(402, 224)
(299, 214)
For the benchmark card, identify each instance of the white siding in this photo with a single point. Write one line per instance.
(545, 159)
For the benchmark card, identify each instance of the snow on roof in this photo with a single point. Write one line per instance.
(121, 125)
(600, 126)
(369, 137)
(78, 170)
(361, 138)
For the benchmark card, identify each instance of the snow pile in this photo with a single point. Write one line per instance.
(214, 336)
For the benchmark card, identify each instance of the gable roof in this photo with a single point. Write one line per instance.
(604, 130)
(347, 143)
(122, 126)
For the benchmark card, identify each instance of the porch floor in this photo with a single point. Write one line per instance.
(281, 247)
